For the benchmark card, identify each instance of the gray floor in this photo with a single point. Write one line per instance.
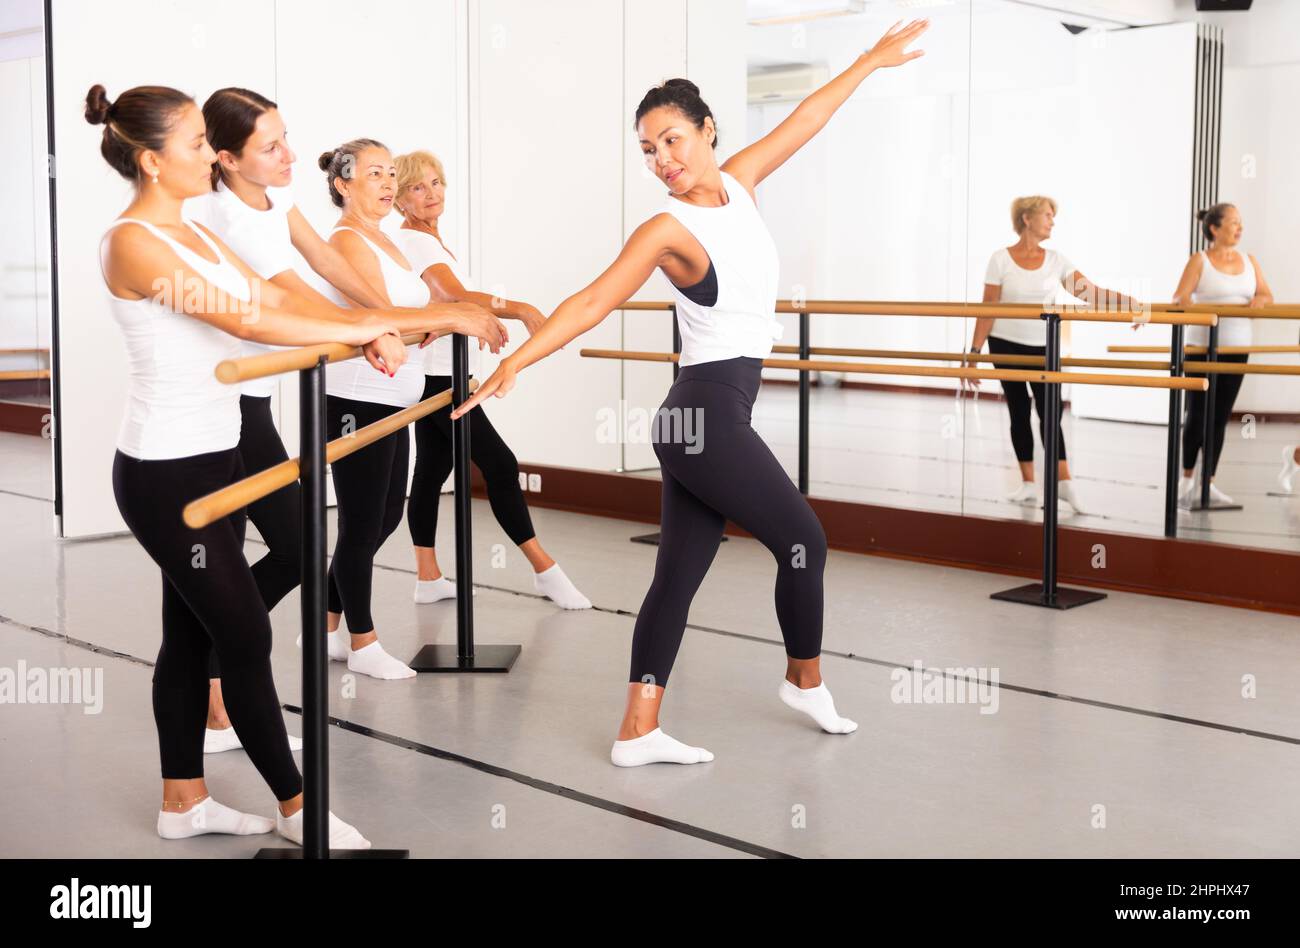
(1131, 711)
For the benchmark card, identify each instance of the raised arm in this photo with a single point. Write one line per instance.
(751, 165)
(648, 247)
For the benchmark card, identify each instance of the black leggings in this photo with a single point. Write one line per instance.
(1017, 395)
(209, 601)
(433, 456)
(278, 517)
(1226, 390)
(716, 468)
(370, 487)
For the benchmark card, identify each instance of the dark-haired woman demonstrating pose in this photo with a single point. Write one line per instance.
(183, 301)
(251, 208)
(711, 243)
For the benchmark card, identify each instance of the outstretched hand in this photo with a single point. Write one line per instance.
(891, 49)
(499, 383)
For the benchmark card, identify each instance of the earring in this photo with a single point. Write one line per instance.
(155, 179)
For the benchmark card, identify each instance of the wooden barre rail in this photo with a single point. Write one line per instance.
(24, 352)
(1175, 317)
(1239, 368)
(212, 507)
(232, 371)
(1201, 350)
(961, 356)
(1011, 375)
(23, 375)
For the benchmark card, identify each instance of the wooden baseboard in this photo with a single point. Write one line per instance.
(21, 418)
(1244, 577)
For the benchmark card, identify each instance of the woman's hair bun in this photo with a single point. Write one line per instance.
(325, 160)
(97, 105)
(684, 84)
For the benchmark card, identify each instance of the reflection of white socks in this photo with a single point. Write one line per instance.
(555, 586)
(435, 590)
(209, 816)
(656, 747)
(375, 662)
(334, 644)
(342, 835)
(818, 705)
(216, 740)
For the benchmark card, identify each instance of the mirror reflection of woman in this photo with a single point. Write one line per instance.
(1221, 273)
(1028, 272)
(421, 198)
(711, 243)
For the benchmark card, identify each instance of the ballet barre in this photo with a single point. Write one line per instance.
(1202, 350)
(232, 371)
(309, 467)
(222, 503)
(881, 368)
(1046, 593)
(973, 357)
(1166, 314)
(24, 375)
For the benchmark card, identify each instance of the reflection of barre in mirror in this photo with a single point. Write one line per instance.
(711, 243)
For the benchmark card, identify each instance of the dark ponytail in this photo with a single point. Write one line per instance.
(1212, 217)
(682, 95)
(139, 120)
(342, 163)
(231, 115)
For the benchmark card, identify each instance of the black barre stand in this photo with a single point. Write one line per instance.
(653, 538)
(464, 656)
(315, 678)
(1047, 593)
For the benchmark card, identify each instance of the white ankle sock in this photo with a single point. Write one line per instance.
(216, 740)
(372, 660)
(335, 644)
(435, 590)
(555, 586)
(656, 747)
(818, 705)
(342, 835)
(209, 816)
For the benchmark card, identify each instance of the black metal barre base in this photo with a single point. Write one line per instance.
(1063, 598)
(446, 658)
(296, 853)
(653, 539)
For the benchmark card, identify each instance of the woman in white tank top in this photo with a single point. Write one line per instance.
(370, 485)
(420, 199)
(1028, 272)
(251, 208)
(712, 244)
(1221, 273)
(183, 300)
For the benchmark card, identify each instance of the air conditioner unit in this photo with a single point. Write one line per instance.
(786, 83)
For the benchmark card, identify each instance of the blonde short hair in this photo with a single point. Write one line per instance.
(411, 167)
(1027, 205)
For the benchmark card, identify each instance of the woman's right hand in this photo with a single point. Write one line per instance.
(476, 321)
(385, 354)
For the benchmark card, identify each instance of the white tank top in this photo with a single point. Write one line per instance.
(425, 251)
(175, 407)
(1234, 289)
(355, 378)
(260, 238)
(743, 320)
